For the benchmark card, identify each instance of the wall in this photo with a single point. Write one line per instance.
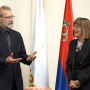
(23, 22)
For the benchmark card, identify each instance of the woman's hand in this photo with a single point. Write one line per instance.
(74, 84)
(77, 83)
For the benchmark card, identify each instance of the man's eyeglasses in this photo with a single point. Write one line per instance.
(9, 17)
(75, 26)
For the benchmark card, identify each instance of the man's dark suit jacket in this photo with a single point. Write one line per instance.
(80, 71)
(7, 70)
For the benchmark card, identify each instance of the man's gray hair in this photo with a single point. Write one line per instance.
(4, 7)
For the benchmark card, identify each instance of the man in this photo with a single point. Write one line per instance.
(12, 51)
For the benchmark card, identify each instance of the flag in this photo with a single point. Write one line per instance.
(39, 67)
(66, 37)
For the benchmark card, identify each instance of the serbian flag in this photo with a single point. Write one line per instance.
(66, 37)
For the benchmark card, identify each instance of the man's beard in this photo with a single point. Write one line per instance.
(7, 25)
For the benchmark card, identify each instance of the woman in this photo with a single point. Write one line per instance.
(78, 61)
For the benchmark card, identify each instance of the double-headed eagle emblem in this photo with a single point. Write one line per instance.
(66, 33)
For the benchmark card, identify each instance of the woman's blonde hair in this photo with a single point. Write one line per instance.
(84, 24)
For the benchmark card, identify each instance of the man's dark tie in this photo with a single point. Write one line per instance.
(7, 34)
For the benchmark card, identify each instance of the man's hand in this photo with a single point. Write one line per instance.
(31, 57)
(10, 59)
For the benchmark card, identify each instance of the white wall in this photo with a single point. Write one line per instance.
(24, 12)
